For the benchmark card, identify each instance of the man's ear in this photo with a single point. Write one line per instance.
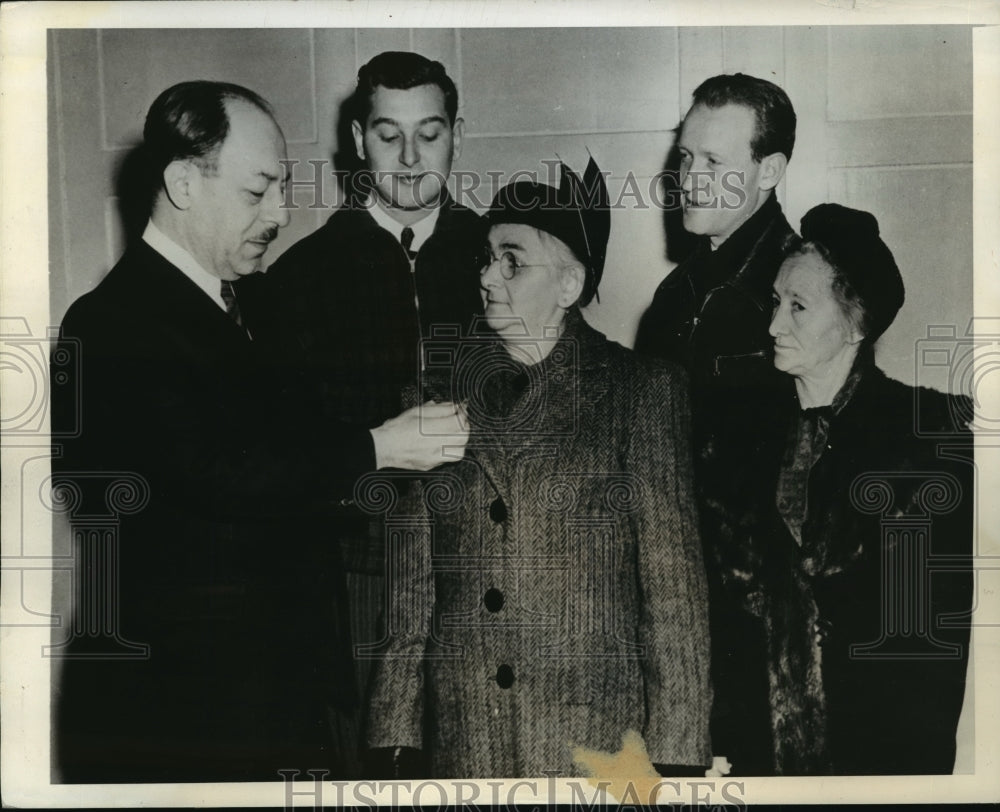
(571, 285)
(457, 134)
(359, 139)
(772, 170)
(178, 182)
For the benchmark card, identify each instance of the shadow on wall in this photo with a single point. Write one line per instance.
(346, 162)
(135, 186)
(679, 243)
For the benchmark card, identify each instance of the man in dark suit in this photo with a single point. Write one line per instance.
(354, 304)
(224, 589)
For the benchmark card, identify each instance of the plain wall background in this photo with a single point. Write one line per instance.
(885, 124)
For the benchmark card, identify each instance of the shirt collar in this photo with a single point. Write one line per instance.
(422, 229)
(741, 241)
(184, 262)
(725, 262)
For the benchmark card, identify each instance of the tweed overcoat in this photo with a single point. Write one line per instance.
(551, 589)
(865, 625)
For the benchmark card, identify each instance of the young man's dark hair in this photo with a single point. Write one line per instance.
(775, 130)
(401, 70)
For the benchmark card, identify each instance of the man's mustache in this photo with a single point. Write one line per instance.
(267, 236)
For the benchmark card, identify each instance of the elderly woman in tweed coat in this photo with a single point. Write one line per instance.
(548, 590)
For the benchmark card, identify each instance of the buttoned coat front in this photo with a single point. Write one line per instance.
(563, 563)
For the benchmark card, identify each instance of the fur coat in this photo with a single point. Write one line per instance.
(863, 607)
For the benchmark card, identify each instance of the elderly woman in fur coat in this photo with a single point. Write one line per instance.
(850, 540)
(550, 589)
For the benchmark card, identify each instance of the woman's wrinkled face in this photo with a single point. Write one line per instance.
(530, 303)
(810, 329)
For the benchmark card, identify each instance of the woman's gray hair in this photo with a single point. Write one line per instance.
(851, 305)
(564, 258)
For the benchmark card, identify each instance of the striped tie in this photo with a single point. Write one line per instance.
(232, 306)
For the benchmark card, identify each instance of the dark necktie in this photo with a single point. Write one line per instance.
(406, 238)
(232, 306)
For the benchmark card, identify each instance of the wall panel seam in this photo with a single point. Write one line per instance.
(898, 117)
(102, 108)
(550, 133)
(680, 61)
(313, 86)
(61, 160)
(459, 72)
(900, 167)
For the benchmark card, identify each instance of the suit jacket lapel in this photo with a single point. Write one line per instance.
(178, 304)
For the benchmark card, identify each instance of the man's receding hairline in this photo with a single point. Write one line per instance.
(230, 103)
(208, 163)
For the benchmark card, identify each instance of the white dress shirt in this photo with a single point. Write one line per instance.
(422, 229)
(183, 261)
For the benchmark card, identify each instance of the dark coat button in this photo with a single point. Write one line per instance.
(505, 676)
(493, 600)
(498, 510)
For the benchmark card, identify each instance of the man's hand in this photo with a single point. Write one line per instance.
(422, 438)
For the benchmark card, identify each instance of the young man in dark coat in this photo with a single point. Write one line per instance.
(711, 314)
(208, 637)
(351, 305)
(352, 302)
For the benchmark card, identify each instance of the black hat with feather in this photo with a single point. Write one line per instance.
(577, 213)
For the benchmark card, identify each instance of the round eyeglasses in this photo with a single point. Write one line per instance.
(509, 266)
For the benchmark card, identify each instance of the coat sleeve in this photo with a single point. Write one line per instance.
(674, 614)
(920, 737)
(159, 415)
(396, 703)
